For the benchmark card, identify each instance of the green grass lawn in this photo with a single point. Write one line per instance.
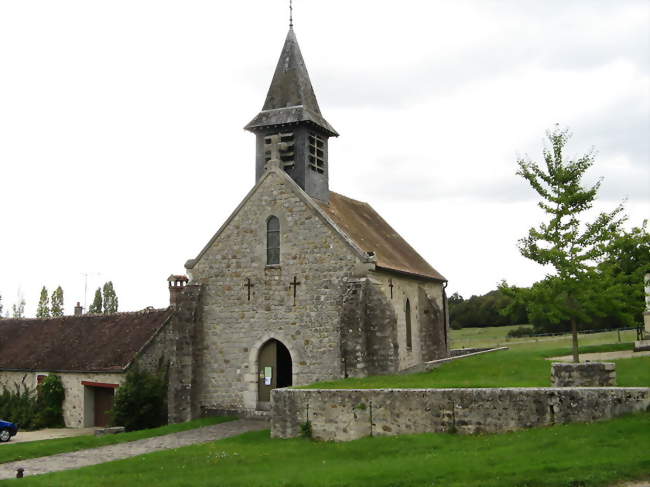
(522, 366)
(33, 449)
(496, 335)
(585, 455)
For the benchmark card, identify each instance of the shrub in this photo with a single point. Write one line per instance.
(43, 409)
(19, 406)
(521, 331)
(50, 403)
(141, 402)
(305, 429)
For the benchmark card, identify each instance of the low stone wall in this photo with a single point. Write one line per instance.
(588, 374)
(343, 415)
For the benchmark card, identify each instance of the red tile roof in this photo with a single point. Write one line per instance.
(77, 343)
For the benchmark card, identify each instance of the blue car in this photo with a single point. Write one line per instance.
(7, 430)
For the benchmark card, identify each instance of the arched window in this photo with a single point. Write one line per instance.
(409, 342)
(272, 241)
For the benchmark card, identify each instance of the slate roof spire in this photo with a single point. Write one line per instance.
(291, 97)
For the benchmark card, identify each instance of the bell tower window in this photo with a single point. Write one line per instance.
(316, 153)
(273, 241)
(286, 145)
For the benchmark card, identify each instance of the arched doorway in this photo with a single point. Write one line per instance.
(275, 370)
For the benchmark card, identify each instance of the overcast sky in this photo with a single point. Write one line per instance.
(122, 149)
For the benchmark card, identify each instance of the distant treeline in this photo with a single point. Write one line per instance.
(614, 297)
(485, 310)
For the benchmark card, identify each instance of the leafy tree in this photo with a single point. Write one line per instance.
(485, 310)
(18, 310)
(43, 309)
(57, 302)
(565, 242)
(96, 306)
(110, 298)
(0, 306)
(622, 273)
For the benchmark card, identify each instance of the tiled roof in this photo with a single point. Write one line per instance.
(370, 232)
(77, 343)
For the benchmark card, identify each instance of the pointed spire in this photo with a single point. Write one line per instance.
(291, 97)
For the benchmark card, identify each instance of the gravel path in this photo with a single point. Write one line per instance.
(47, 434)
(601, 356)
(84, 458)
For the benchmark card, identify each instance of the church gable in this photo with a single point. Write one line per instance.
(278, 198)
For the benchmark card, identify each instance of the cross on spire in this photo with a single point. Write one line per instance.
(291, 14)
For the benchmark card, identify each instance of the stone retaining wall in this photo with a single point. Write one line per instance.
(588, 374)
(343, 415)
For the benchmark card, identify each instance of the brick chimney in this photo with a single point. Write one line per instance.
(78, 310)
(176, 285)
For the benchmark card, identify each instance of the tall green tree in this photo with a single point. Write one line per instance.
(56, 303)
(18, 309)
(110, 298)
(43, 309)
(565, 241)
(96, 305)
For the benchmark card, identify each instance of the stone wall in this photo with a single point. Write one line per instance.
(368, 331)
(429, 320)
(78, 409)
(588, 374)
(181, 342)
(342, 415)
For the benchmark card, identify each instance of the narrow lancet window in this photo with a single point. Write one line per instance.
(409, 342)
(272, 241)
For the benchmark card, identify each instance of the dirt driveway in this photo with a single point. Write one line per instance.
(49, 434)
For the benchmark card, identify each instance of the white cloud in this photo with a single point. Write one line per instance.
(122, 149)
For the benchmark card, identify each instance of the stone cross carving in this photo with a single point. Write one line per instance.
(276, 147)
(249, 286)
(295, 285)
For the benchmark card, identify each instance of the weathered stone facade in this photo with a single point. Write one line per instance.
(343, 415)
(343, 322)
(589, 374)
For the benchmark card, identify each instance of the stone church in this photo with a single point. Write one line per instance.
(300, 284)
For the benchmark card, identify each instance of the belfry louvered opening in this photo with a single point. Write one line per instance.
(316, 153)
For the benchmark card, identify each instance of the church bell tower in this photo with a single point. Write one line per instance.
(291, 119)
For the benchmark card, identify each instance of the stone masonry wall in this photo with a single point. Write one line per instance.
(77, 412)
(343, 415)
(429, 325)
(368, 331)
(183, 341)
(589, 374)
(235, 328)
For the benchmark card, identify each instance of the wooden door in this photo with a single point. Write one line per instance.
(267, 376)
(103, 403)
